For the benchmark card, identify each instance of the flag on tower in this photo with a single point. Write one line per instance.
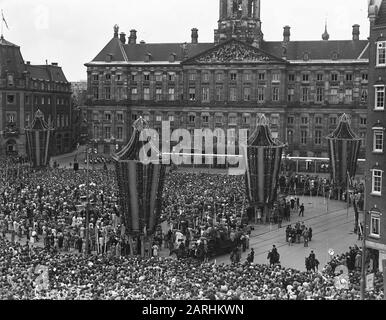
(2, 16)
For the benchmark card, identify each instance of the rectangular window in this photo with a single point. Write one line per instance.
(171, 118)
(334, 96)
(107, 116)
(304, 120)
(247, 94)
(158, 94)
(146, 94)
(290, 120)
(192, 119)
(219, 77)
(303, 136)
(107, 133)
(306, 77)
(291, 77)
(379, 98)
(95, 77)
(108, 77)
(96, 132)
(192, 94)
(134, 77)
(349, 77)
(205, 77)
(246, 119)
(318, 137)
(275, 94)
(205, 119)
(333, 121)
(319, 94)
(305, 92)
(363, 121)
(134, 117)
(348, 96)
(362, 135)
(147, 117)
(319, 77)
(146, 77)
(11, 98)
(261, 94)
(95, 93)
(233, 94)
(318, 120)
(377, 182)
(219, 94)
(192, 77)
(119, 77)
(365, 76)
(134, 94)
(290, 137)
(171, 94)
(378, 141)
(171, 77)
(262, 76)
(11, 118)
(119, 133)
(364, 95)
(233, 76)
(334, 77)
(107, 93)
(232, 120)
(158, 118)
(291, 95)
(219, 119)
(158, 77)
(205, 94)
(275, 77)
(375, 225)
(381, 54)
(120, 117)
(247, 77)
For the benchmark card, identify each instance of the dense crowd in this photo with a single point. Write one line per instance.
(76, 277)
(48, 206)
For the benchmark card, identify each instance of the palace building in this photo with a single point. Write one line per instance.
(301, 86)
(25, 88)
(375, 155)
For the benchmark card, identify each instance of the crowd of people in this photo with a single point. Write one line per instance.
(298, 233)
(36, 273)
(199, 212)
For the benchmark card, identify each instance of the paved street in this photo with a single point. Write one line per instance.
(330, 230)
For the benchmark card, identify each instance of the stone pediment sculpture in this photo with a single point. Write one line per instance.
(234, 51)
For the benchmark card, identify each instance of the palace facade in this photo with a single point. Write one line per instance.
(25, 88)
(301, 86)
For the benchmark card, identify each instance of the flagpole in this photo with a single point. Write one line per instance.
(2, 24)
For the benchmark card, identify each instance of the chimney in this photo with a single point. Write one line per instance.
(54, 64)
(287, 34)
(123, 37)
(28, 62)
(142, 42)
(133, 37)
(355, 32)
(194, 35)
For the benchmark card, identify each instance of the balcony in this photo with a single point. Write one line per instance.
(11, 131)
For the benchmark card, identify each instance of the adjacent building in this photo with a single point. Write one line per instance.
(375, 155)
(25, 88)
(301, 86)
